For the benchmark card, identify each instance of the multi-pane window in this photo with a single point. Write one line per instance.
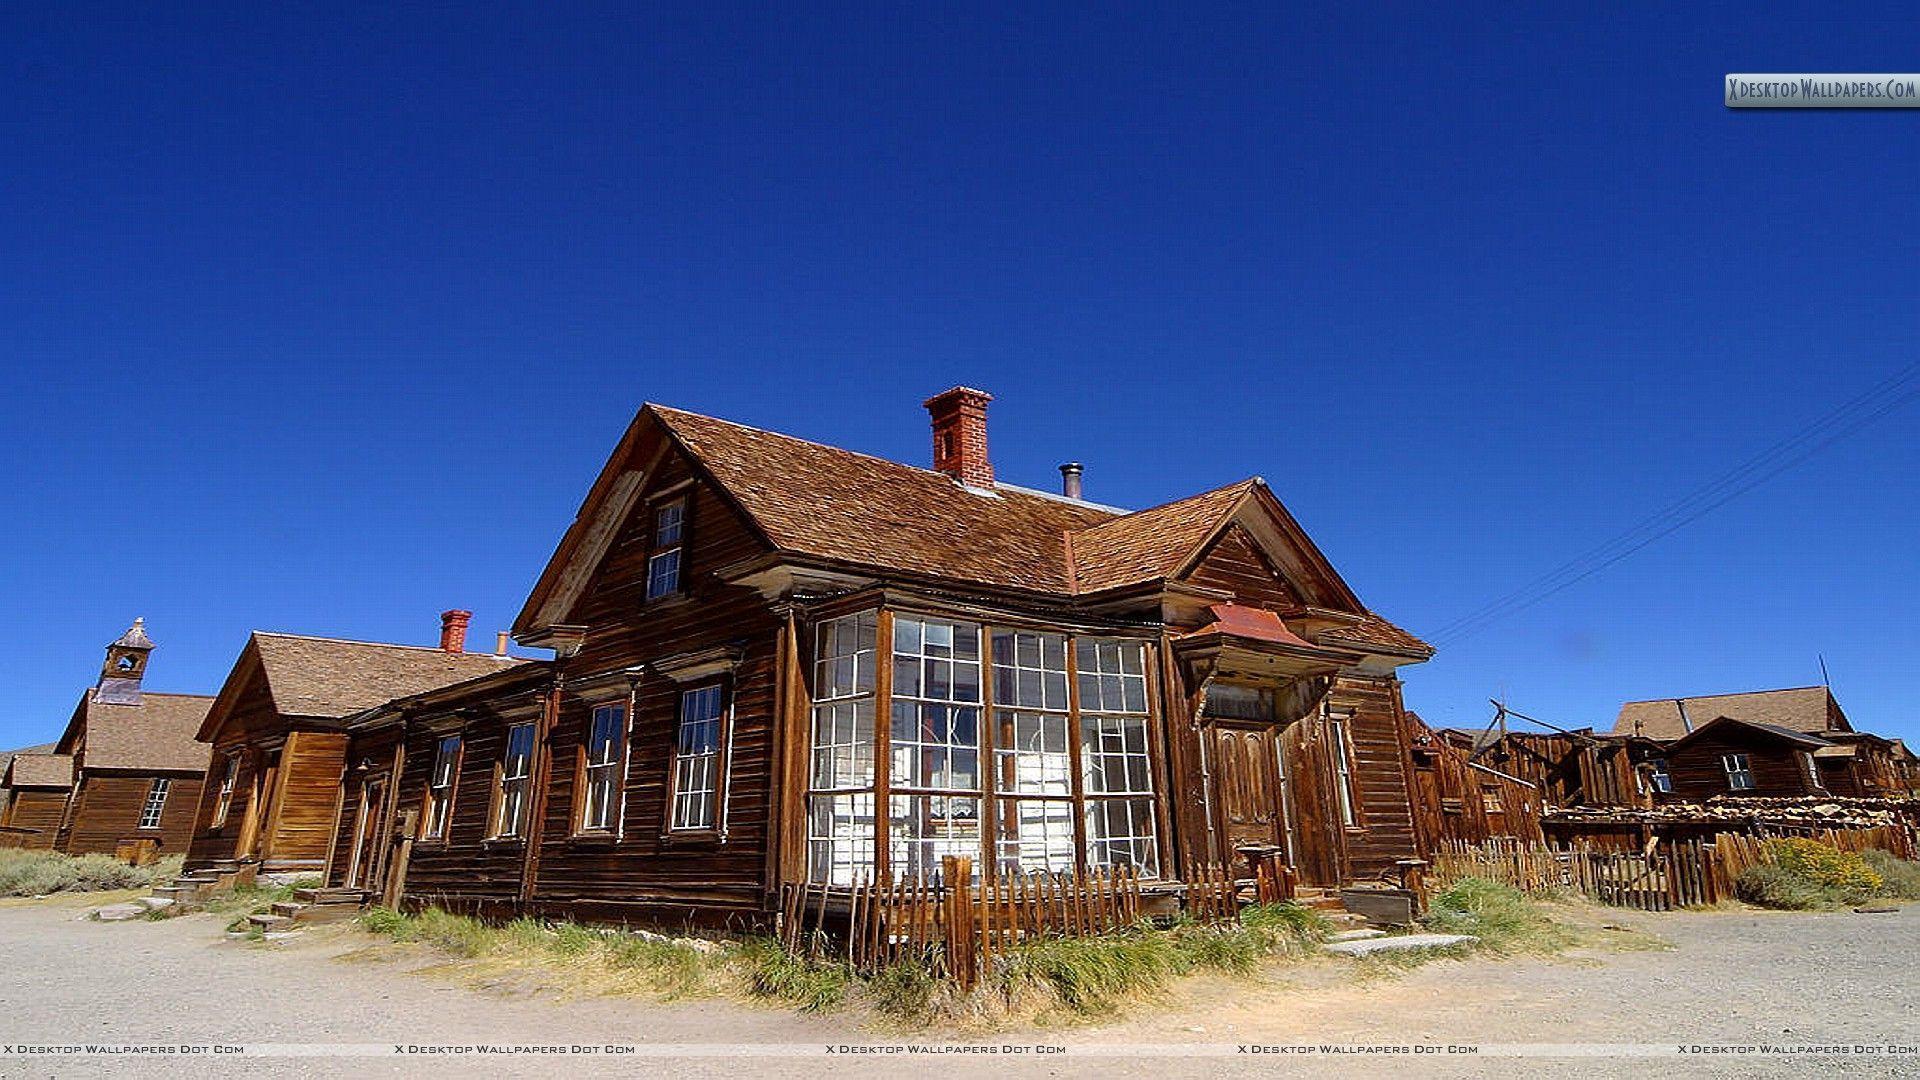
(935, 738)
(600, 786)
(1739, 772)
(1662, 780)
(1811, 768)
(664, 554)
(156, 803)
(696, 765)
(840, 806)
(516, 770)
(1114, 762)
(223, 800)
(1056, 779)
(440, 781)
(1033, 753)
(1342, 771)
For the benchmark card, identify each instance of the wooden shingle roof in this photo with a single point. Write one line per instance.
(330, 677)
(1802, 709)
(1150, 544)
(156, 735)
(38, 770)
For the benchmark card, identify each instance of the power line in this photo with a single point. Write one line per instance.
(1862, 410)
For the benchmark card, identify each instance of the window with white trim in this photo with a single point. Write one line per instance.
(156, 803)
(696, 763)
(666, 549)
(1662, 779)
(440, 784)
(1342, 771)
(600, 780)
(1033, 752)
(1115, 764)
(934, 810)
(223, 799)
(1739, 772)
(1812, 770)
(840, 800)
(516, 772)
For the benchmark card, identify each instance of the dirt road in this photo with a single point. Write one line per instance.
(1729, 978)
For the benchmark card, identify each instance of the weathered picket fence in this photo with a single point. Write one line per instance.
(1667, 875)
(956, 925)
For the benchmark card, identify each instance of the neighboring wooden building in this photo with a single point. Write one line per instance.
(34, 790)
(781, 662)
(136, 767)
(1572, 768)
(1846, 761)
(1462, 800)
(1733, 757)
(279, 748)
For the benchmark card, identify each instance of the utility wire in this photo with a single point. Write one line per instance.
(1862, 410)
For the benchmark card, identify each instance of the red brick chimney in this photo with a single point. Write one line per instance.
(960, 435)
(453, 630)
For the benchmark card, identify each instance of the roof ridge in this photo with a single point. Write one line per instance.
(1195, 497)
(379, 644)
(1729, 693)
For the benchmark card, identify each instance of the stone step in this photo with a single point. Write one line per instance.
(1402, 943)
(1358, 934)
(157, 903)
(120, 912)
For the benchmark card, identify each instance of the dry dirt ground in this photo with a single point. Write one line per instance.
(1728, 978)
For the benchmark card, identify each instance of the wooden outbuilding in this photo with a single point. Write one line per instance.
(279, 745)
(780, 663)
(137, 769)
(34, 790)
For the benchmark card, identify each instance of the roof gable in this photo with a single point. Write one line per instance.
(1722, 725)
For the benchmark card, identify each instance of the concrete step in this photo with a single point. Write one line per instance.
(157, 903)
(120, 912)
(1356, 935)
(1402, 943)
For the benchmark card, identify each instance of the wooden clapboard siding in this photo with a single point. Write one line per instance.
(306, 800)
(40, 810)
(369, 754)
(467, 869)
(253, 723)
(1236, 565)
(1698, 773)
(106, 811)
(1383, 804)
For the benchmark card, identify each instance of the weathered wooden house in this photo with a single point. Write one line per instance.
(1794, 741)
(780, 662)
(1574, 768)
(34, 790)
(279, 746)
(1463, 800)
(136, 767)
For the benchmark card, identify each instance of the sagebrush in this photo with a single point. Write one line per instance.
(40, 873)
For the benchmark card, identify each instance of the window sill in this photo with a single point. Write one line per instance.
(504, 842)
(692, 838)
(1356, 830)
(593, 839)
(432, 843)
(670, 600)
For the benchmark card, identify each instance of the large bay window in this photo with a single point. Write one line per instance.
(1024, 750)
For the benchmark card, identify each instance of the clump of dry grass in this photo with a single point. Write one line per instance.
(41, 873)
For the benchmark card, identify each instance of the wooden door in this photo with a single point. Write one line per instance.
(1249, 790)
(369, 858)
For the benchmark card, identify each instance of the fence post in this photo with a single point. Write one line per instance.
(961, 944)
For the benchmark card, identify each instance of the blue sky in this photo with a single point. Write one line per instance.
(323, 322)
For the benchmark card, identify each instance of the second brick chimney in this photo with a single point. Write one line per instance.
(453, 630)
(960, 435)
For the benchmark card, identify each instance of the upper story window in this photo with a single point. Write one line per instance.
(156, 803)
(665, 552)
(1739, 772)
(440, 784)
(516, 771)
(698, 781)
(600, 768)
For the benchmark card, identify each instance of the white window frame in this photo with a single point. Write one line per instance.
(1812, 768)
(441, 782)
(666, 555)
(1737, 767)
(1343, 772)
(600, 776)
(1662, 779)
(842, 765)
(156, 804)
(698, 786)
(223, 796)
(514, 786)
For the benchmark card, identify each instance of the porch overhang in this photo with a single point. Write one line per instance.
(1253, 643)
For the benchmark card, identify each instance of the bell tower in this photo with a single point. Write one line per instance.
(126, 664)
